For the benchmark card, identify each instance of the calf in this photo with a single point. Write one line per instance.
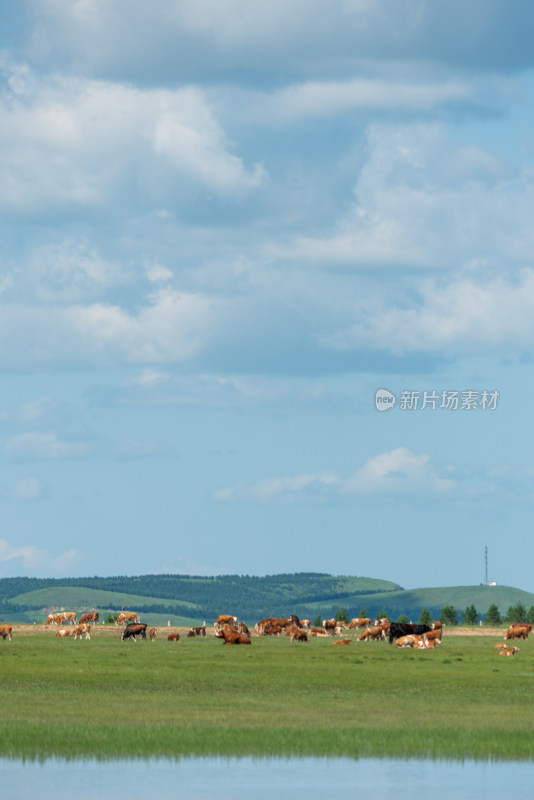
(173, 637)
(298, 635)
(342, 641)
(64, 632)
(152, 634)
(499, 645)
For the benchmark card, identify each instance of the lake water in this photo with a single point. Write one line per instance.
(259, 779)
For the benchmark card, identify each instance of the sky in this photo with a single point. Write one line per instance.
(224, 228)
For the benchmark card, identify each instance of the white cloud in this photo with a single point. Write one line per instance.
(279, 489)
(398, 471)
(29, 489)
(43, 446)
(31, 559)
(68, 143)
(463, 316)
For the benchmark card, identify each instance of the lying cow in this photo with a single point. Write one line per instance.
(65, 632)
(297, 634)
(397, 629)
(509, 651)
(317, 631)
(134, 629)
(342, 641)
(5, 631)
(234, 637)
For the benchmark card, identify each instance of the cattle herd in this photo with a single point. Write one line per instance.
(228, 628)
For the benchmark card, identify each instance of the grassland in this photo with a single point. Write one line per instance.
(108, 698)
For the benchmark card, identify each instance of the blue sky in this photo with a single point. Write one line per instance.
(224, 227)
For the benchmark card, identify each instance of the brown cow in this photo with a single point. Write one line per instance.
(317, 632)
(509, 651)
(499, 645)
(173, 637)
(128, 617)
(359, 622)
(371, 634)
(297, 634)
(152, 634)
(90, 616)
(81, 629)
(5, 631)
(199, 630)
(436, 625)
(234, 637)
(518, 631)
(65, 632)
(53, 619)
(132, 630)
(342, 641)
(68, 616)
(306, 624)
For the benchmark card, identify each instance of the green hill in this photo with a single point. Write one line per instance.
(185, 599)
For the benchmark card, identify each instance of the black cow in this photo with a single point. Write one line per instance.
(199, 630)
(397, 629)
(133, 630)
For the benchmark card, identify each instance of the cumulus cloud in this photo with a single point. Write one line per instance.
(79, 144)
(463, 316)
(29, 489)
(398, 471)
(30, 559)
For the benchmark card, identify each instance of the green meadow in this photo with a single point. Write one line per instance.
(108, 698)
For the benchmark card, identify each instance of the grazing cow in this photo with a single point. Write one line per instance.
(297, 634)
(152, 634)
(65, 632)
(397, 629)
(128, 617)
(306, 624)
(68, 617)
(518, 632)
(359, 622)
(81, 629)
(5, 631)
(381, 621)
(53, 619)
(134, 629)
(173, 637)
(90, 616)
(342, 641)
(509, 651)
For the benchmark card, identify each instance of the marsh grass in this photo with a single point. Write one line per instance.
(107, 698)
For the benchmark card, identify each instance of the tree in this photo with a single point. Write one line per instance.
(517, 613)
(363, 613)
(403, 618)
(470, 615)
(111, 619)
(318, 621)
(341, 615)
(426, 617)
(530, 615)
(493, 616)
(381, 614)
(448, 616)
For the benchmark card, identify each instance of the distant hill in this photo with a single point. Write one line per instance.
(186, 599)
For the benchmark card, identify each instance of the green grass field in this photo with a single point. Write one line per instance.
(108, 698)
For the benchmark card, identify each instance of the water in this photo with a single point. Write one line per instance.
(259, 779)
